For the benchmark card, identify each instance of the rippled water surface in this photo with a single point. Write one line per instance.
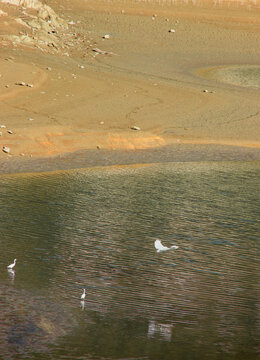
(95, 229)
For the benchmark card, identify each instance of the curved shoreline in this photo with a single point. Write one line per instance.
(104, 158)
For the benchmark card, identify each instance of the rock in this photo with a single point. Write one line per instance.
(6, 149)
(9, 131)
(48, 68)
(2, 126)
(135, 128)
(205, 90)
(171, 31)
(29, 85)
(0, 133)
(20, 83)
(7, 86)
(98, 51)
(106, 36)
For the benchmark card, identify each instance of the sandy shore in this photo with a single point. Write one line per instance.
(64, 88)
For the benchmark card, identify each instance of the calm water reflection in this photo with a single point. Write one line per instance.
(95, 229)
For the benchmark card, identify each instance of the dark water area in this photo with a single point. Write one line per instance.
(95, 229)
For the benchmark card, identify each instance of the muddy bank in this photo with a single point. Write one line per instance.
(65, 87)
(97, 158)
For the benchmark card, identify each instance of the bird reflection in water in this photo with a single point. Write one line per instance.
(11, 273)
(82, 305)
(163, 330)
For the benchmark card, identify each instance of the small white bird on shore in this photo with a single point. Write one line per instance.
(11, 266)
(83, 295)
(160, 247)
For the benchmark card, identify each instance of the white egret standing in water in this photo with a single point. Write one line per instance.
(83, 295)
(11, 266)
(160, 247)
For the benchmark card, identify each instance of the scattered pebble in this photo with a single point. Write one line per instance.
(98, 147)
(29, 85)
(2, 126)
(22, 154)
(9, 131)
(171, 31)
(106, 36)
(98, 51)
(20, 83)
(205, 90)
(71, 22)
(101, 122)
(48, 68)
(7, 86)
(135, 128)
(6, 149)
(30, 119)
(0, 133)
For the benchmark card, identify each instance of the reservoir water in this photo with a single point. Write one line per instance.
(95, 229)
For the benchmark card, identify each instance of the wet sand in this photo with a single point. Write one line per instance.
(66, 90)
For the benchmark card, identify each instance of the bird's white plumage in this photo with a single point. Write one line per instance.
(160, 247)
(83, 295)
(11, 266)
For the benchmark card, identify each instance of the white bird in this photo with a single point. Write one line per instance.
(160, 247)
(11, 266)
(83, 295)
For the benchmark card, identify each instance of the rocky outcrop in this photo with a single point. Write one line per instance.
(39, 26)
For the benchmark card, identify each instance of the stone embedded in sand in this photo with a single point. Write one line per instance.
(20, 83)
(9, 131)
(2, 126)
(6, 149)
(98, 51)
(205, 90)
(106, 36)
(29, 85)
(48, 68)
(135, 128)
(171, 31)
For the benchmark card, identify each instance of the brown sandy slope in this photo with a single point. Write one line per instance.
(74, 98)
